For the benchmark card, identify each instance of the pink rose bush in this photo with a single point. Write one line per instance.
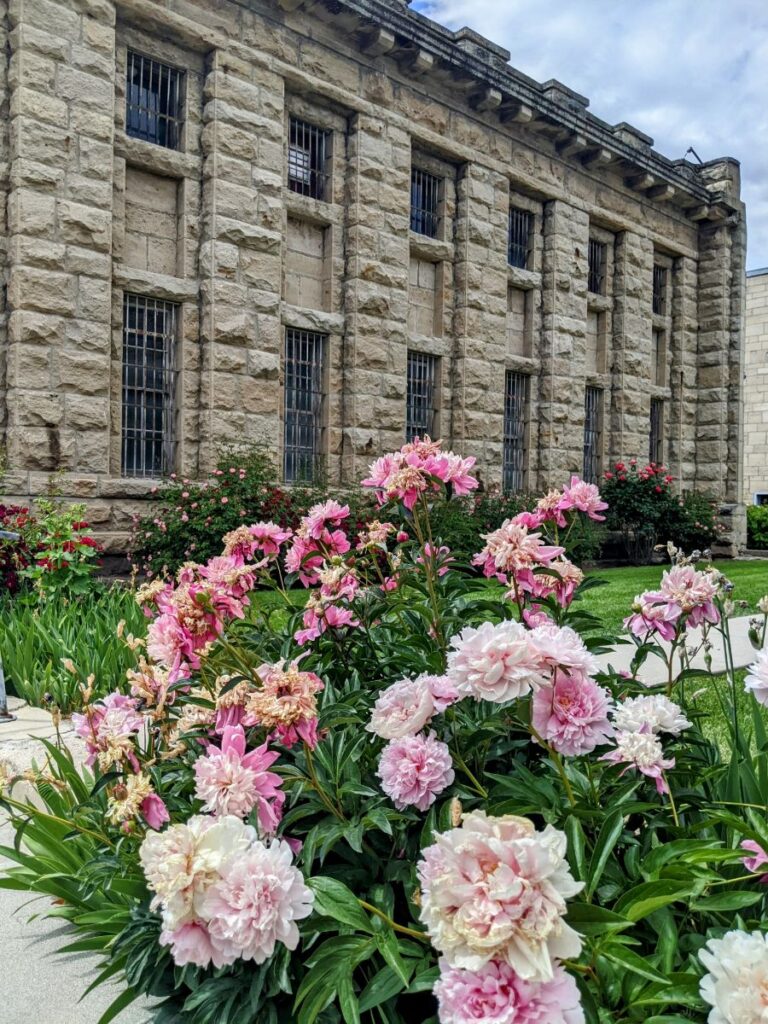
(404, 790)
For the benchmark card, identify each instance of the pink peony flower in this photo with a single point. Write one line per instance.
(760, 857)
(651, 613)
(403, 709)
(693, 591)
(496, 995)
(317, 520)
(641, 750)
(286, 703)
(443, 691)
(583, 497)
(513, 549)
(560, 645)
(415, 770)
(572, 714)
(419, 467)
(109, 728)
(756, 680)
(191, 944)
(495, 889)
(495, 663)
(441, 558)
(154, 811)
(231, 782)
(256, 903)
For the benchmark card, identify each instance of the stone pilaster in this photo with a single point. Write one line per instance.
(376, 292)
(480, 319)
(61, 76)
(563, 342)
(681, 430)
(632, 333)
(241, 255)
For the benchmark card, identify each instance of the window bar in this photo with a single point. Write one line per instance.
(307, 154)
(659, 289)
(592, 438)
(515, 419)
(656, 440)
(520, 224)
(149, 383)
(425, 203)
(596, 277)
(153, 101)
(304, 355)
(420, 413)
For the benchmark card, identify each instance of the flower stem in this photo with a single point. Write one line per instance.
(421, 936)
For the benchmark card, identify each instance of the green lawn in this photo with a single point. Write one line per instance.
(611, 603)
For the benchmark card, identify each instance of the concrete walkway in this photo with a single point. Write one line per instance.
(654, 671)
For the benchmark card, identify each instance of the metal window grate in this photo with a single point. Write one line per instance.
(519, 245)
(515, 431)
(149, 385)
(303, 429)
(656, 438)
(422, 393)
(153, 101)
(597, 261)
(307, 159)
(592, 434)
(425, 203)
(659, 289)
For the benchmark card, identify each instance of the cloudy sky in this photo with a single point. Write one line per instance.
(687, 72)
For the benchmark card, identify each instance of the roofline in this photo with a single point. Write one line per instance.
(481, 66)
(757, 273)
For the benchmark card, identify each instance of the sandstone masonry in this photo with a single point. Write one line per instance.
(316, 224)
(756, 390)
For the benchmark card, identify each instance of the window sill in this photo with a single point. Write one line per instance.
(600, 303)
(526, 280)
(146, 156)
(158, 286)
(433, 249)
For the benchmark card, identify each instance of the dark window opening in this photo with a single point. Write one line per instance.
(656, 439)
(425, 203)
(422, 393)
(520, 230)
(597, 261)
(659, 290)
(153, 101)
(307, 159)
(515, 431)
(302, 441)
(592, 434)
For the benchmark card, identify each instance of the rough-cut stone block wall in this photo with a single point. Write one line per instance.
(756, 389)
(93, 214)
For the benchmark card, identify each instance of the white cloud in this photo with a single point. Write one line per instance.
(687, 72)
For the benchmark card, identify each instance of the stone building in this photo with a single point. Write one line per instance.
(756, 390)
(326, 224)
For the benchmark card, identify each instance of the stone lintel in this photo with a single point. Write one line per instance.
(312, 319)
(519, 112)
(597, 158)
(640, 182)
(490, 99)
(663, 193)
(378, 42)
(159, 286)
(574, 143)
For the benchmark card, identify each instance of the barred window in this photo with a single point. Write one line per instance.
(303, 431)
(149, 384)
(425, 203)
(656, 439)
(593, 439)
(519, 244)
(153, 104)
(308, 148)
(659, 289)
(515, 431)
(597, 261)
(422, 395)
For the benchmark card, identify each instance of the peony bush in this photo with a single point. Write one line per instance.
(418, 798)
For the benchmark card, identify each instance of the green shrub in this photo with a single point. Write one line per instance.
(645, 510)
(757, 526)
(37, 636)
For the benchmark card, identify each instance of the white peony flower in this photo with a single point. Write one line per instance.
(183, 861)
(757, 678)
(495, 663)
(736, 986)
(657, 713)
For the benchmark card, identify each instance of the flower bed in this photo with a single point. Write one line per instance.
(411, 801)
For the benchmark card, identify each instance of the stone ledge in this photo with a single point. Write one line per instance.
(433, 249)
(600, 303)
(312, 320)
(159, 286)
(168, 163)
(526, 280)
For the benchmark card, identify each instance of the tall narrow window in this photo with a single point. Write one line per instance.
(519, 244)
(593, 440)
(515, 431)
(422, 395)
(659, 358)
(597, 261)
(302, 443)
(656, 439)
(425, 203)
(149, 378)
(659, 289)
(153, 102)
(308, 148)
